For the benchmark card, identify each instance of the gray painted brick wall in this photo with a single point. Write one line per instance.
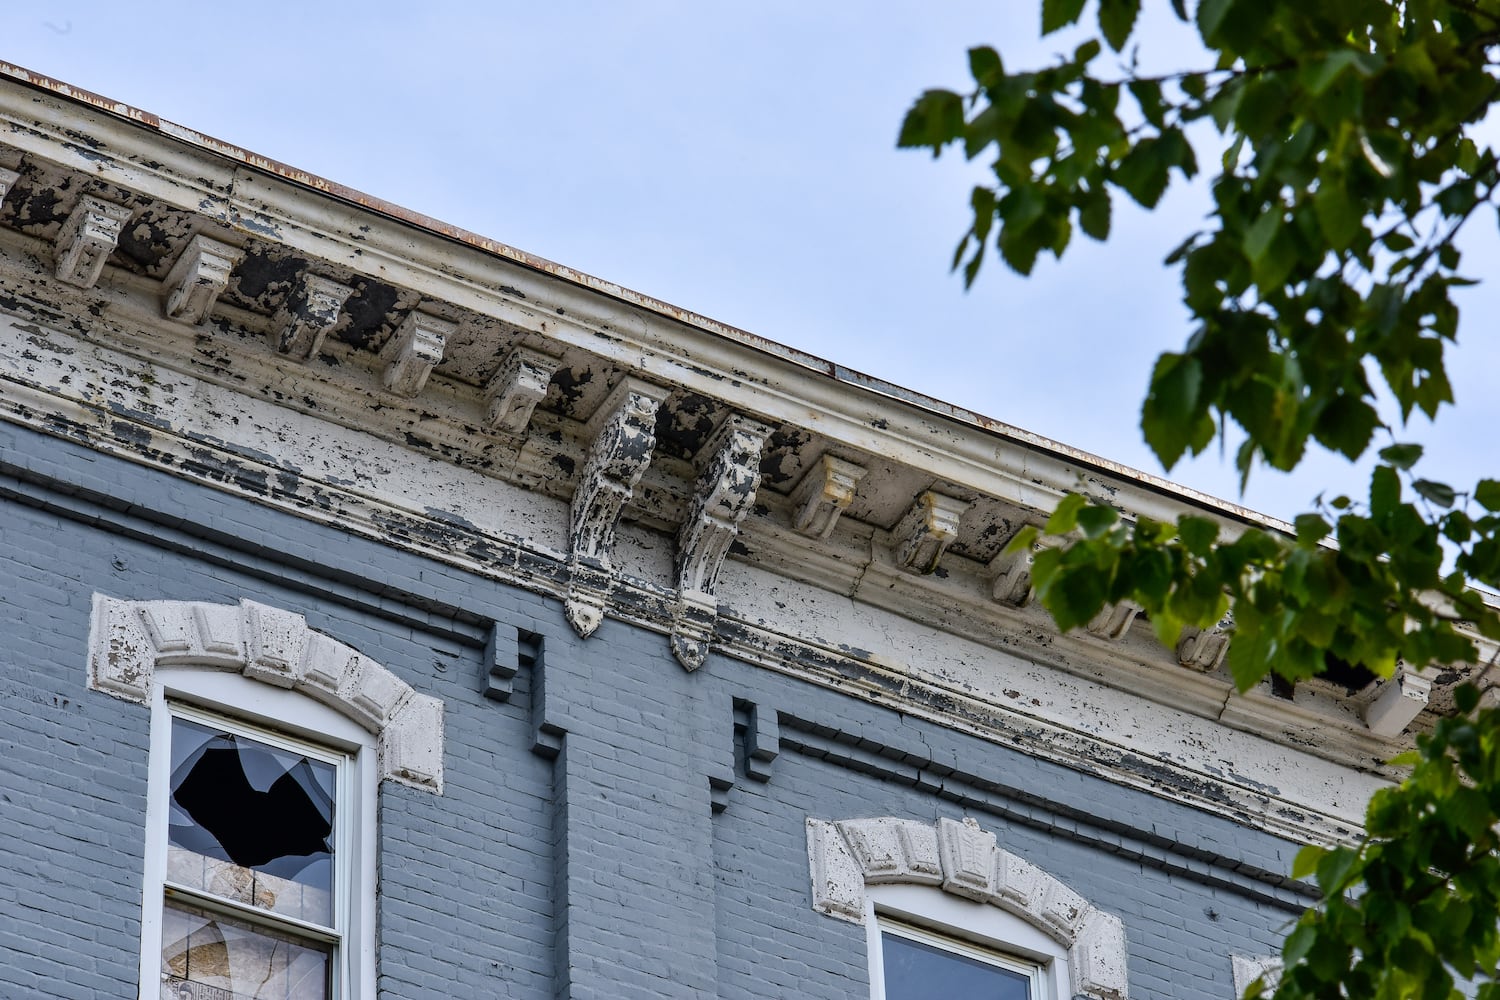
(597, 870)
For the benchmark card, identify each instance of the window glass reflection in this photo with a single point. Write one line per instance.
(251, 823)
(915, 970)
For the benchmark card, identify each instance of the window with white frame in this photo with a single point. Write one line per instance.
(927, 945)
(259, 847)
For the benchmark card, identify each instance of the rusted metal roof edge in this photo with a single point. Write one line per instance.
(837, 372)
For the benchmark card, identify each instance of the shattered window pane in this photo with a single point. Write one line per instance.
(205, 956)
(251, 823)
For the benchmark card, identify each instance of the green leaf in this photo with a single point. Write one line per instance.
(1198, 534)
(1259, 235)
(985, 65)
(1093, 214)
(1022, 540)
(1095, 520)
(1335, 868)
(1311, 529)
(1058, 14)
(1319, 74)
(1385, 491)
(1117, 21)
(935, 120)
(1487, 493)
(1065, 518)
(1439, 493)
(1299, 943)
(1401, 456)
(1143, 173)
(1307, 860)
(1171, 418)
(1147, 94)
(1340, 216)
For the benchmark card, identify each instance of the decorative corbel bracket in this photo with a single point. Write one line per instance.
(195, 281)
(624, 434)
(725, 494)
(1401, 699)
(8, 178)
(824, 493)
(413, 351)
(516, 387)
(1203, 649)
(310, 311)
(1114, 620)
(925, 532)
(87, 238)
(1010, 571)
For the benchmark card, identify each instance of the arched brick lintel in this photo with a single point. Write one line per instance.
(130, 639)
(958, 857)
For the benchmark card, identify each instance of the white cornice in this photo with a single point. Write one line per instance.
(657, 341)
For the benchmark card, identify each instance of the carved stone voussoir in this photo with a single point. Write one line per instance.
(87, 238)
(516, 387)
(624, 437)
(310, 311)
(195, 281)
(8, 177)
(924, 534)
(824, 493)
(413, 351)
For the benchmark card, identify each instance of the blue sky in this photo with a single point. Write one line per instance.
(736, 160)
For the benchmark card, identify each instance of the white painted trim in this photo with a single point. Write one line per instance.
(1248, 968)
(990, 933)
(130, 640)
(847, 858)
(284, 718)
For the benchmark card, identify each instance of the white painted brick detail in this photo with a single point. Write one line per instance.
(128, 639)
(838, 883)
(121, 656)
(411, 745)
(968, 855)
(1097, 958)
(276, 641)
(844, 857)
(375, 693)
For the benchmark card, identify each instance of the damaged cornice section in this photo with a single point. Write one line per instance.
(512, 393)
(623, 432)
(310, 311)
(725, 494)
(414, 351)
(825, 492)
(196, 280)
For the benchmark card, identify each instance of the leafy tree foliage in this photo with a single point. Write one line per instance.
(1349, 162)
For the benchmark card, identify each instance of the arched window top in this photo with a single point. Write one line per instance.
(130, 639)
(960, 858)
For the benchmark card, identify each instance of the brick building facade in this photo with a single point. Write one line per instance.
(389, 613)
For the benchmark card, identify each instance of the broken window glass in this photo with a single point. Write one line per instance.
(209, 956)
(251, 823)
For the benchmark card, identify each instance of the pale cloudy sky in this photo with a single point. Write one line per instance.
(734, 159)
